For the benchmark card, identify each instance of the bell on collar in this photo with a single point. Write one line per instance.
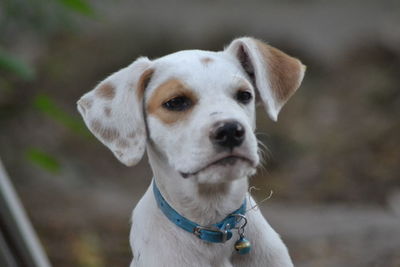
(242, 246)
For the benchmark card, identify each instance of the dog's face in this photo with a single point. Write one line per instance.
(197, 108)
(200, 115)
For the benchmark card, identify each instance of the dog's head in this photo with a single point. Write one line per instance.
(196, 108)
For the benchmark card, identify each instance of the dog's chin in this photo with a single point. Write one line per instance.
(225, 171)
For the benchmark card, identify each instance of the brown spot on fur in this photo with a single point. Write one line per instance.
(143, 82)
(168, 90)
(206, 60)
(85, 103)
(107, 111)
(122, 143)
(95, 125)
(109, 134)
(106, 90)
(106, 133)
(285, 72)
(132, 135)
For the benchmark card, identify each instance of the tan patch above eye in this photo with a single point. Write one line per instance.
(106, 91)
(166, 91)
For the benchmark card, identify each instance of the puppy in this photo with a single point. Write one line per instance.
(194, 113)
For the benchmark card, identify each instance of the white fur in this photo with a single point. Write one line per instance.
(212, 193)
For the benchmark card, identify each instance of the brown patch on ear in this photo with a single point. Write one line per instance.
(132, 135)
(107, 111)
(95, 125)
(122, 143)
(168, 90)
(285, 72)
(206, 60)
(143, 82)
(106, 91)
(107, 134)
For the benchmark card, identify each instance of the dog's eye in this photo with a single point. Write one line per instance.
(179, 103)
(243, 97)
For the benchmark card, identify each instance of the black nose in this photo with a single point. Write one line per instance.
(228, 134)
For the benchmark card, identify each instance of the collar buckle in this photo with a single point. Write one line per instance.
(211, 228)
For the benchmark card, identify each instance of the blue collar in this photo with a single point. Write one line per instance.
(216, 233)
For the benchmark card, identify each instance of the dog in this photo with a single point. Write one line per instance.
(193, 111)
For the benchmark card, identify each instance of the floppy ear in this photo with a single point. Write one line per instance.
(113, 111)
(275, 74)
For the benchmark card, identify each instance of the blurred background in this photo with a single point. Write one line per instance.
(334, 160)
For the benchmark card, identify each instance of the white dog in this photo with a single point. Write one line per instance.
(194, 113)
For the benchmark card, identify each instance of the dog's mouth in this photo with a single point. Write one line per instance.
(224, 161)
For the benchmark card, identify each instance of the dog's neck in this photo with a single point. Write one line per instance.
(201, 203)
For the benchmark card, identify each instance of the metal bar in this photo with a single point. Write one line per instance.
(15, 225)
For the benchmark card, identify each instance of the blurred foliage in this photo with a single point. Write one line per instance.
(48, 106)
(40, 21)
(42, 159)
(12, 64)
(80, 6)
(43, 18)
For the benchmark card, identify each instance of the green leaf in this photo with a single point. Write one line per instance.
(42, 159)
(46, 105)
(79, 6)
(10, 63)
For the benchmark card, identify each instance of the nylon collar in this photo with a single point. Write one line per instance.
(216, 233)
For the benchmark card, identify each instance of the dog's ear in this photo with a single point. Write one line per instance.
(275, 74)
(113, 111)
